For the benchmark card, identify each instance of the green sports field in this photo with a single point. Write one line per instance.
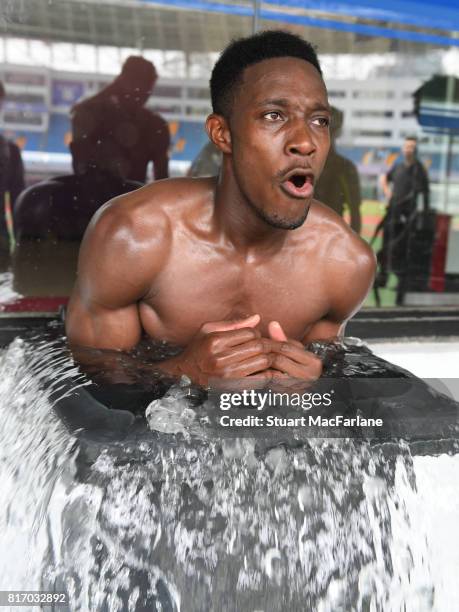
(372, 212)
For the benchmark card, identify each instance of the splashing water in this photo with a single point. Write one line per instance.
(7, 293)
(168, 517)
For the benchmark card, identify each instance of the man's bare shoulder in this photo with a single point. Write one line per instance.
(348, 262)
(150, 212)
(129, 240)
(343, 245)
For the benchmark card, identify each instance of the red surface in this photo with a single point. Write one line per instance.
(437, 267)
(36, 304)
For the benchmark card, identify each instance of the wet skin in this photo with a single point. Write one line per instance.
(189, 261)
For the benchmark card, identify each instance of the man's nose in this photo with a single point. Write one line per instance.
(300, 140)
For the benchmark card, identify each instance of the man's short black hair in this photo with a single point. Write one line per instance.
(243, 52)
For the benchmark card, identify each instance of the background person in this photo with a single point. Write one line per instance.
(113, 132)
(406, 180)
(11, 183)
(402, 185)
(339, 183)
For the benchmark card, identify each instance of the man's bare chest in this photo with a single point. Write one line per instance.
(198, 290)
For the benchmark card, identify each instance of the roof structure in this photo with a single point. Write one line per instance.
(200, 26)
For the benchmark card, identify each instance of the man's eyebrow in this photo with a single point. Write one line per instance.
(321, 107)
(284, 102)
(274, 101)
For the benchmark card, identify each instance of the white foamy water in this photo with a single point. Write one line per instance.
(7, 293)
(156, 521)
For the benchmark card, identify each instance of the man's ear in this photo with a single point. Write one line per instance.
(219, 133)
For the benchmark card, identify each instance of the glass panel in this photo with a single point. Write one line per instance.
(54, 55)
(122, 496)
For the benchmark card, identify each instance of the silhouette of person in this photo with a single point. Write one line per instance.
(114, 134)
(11, 180)
(408, 179)
(339, 183)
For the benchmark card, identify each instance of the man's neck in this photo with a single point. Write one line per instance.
(240, 223)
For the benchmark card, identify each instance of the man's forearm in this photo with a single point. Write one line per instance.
(117, 367)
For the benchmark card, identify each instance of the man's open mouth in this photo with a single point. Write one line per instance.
(299, 184)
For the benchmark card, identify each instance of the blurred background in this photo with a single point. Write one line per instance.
(391, 71)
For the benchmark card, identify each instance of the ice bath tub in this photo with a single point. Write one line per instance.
(121, 514)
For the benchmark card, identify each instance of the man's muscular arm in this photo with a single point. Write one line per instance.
(120, 257)
(350, 279)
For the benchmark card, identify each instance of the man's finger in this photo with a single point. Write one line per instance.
(276, 332)
(310, 371)
(242, 351)
(218, 342)
(295, 352)
(258, 363)
(216, 326)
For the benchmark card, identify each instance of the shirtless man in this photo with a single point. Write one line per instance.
(240, 270)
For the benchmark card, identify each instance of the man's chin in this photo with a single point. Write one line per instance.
(287, 223)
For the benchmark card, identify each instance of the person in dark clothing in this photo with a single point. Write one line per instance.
(114, 134)
(11, 180)
(402, 186)
(339, 184)
(408, 178)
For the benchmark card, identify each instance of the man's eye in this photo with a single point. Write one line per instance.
(321, 121)
(273, 116)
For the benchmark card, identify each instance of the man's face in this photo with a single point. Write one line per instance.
(280, 138)
(409, 149)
